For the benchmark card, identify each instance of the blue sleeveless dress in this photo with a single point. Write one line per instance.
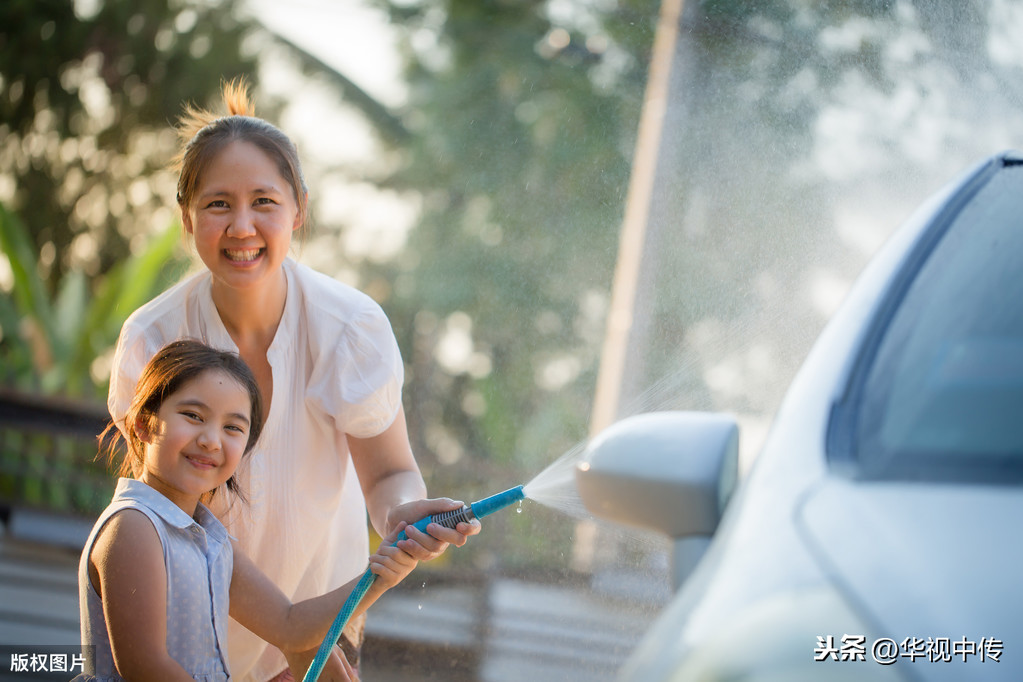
(199, 558)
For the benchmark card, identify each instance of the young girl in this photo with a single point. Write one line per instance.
(159, 574)
(335, 443)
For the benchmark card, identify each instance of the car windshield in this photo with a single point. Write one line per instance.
(945, 388)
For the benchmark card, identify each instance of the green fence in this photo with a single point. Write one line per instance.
(47, 455)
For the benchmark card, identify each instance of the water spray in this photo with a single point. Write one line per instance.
(448, 519)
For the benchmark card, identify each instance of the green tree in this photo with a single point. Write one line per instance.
(522, 125)
(87, 92)
(522, 119)
(60, 337)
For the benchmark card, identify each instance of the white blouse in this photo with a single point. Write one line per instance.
(336, 370)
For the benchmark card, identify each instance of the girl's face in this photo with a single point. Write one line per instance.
(242, 217)
(197, 439)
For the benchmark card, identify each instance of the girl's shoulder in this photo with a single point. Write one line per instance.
(129, 527)
(151, 510)
(130, 513)
(125, 538)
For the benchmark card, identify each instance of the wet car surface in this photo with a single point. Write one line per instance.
(876, 536)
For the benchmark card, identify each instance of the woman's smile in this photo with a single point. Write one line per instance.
(242, 219)
(243, 255)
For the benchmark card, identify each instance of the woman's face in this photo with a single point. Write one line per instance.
(242, 217)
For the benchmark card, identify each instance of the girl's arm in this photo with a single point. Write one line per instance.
(127, 569)
(394, 490)
(261, 607)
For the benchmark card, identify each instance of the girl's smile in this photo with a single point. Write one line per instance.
(197, 438)
(200, 462)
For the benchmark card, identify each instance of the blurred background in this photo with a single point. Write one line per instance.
(472, 166)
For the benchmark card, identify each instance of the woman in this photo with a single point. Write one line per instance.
(335, 442)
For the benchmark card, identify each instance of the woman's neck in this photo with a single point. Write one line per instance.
(251, 316)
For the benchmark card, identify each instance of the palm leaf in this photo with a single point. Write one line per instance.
(29, 292)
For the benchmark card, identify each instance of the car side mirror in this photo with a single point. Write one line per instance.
(671, 472)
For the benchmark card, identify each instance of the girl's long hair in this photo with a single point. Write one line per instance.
(172, 367)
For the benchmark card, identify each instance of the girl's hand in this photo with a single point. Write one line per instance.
(336, 669)
(433, 543)
(392, 563)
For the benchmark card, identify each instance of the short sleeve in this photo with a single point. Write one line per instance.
(364, 394)
(130, 358)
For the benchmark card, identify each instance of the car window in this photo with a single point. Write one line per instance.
(945, 388)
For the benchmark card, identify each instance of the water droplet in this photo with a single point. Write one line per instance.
(420, 607)
(518, 509)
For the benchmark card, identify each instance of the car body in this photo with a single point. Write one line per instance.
(877, 534)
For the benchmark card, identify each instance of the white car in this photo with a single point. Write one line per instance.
(879, 533)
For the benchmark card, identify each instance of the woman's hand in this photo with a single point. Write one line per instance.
(390, 477)
(432, 543)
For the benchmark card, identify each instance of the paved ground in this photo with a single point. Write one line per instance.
(502, 631)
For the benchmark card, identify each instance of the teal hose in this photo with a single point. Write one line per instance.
(477, 510)
(323, 653)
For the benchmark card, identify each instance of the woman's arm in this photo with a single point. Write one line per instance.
(259, 605)
(387, 472)
(394, 490)
(127, 569)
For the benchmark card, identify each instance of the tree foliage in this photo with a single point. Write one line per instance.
(60, 337)
(522, 123)
(87, 92)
